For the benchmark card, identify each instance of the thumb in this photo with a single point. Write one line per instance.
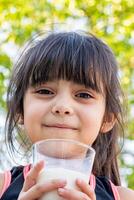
(32, 175)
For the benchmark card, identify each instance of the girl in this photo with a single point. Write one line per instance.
(66, 86)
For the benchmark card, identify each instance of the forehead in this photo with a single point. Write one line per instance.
(70, 57)
(68, 62)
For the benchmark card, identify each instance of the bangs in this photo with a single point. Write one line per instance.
(67, 56)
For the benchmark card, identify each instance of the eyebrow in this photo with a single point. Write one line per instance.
(90, 87)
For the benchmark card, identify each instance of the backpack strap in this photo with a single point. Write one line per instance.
(26, 170)
(115, 191)
(8, 178)
(7, 181)
(92, 181)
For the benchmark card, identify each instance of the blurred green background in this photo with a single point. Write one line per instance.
(111, 20)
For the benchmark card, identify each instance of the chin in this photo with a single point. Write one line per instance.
(59, 136)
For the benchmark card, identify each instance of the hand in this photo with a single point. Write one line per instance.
(32, 190)
(85, 193)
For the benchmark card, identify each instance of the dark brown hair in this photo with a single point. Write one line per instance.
(81, 58)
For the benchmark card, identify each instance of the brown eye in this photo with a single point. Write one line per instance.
(44, 91)
(84, 95)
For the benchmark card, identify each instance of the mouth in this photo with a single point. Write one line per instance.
(60, 126)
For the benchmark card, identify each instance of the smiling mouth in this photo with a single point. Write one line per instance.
(60, 126)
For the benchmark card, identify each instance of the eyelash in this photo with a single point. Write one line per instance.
(44, 91)
(82, 95)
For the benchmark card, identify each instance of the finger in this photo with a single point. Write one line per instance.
(85, 188)
(32, 176)
(72, 194)
(38, 190)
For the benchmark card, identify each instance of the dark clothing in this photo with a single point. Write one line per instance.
(103, 187)
(17, 180)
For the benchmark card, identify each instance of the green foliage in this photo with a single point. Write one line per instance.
(129, 172)
(112, 20)
(130, 178)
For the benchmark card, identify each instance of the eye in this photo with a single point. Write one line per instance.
(44, 92)
(84, 95)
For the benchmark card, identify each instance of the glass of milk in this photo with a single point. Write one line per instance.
(65, 159)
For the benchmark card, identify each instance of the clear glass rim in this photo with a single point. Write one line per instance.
(66, 140)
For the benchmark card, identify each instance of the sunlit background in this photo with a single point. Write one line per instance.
(111, 20)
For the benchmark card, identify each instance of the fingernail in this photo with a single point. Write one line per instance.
(60, 181)
(63, 181)
(79, 180)
(61, 190)
(41, 162)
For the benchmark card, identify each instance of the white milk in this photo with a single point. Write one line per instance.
(57, 173)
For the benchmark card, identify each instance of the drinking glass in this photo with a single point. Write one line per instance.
(65, 159)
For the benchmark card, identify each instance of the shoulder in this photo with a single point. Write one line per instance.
(1, 181)
(16, 173)
(125, 193)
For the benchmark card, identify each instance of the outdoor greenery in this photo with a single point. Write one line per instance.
(112, 20)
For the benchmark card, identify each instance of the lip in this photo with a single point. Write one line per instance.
(60, 126)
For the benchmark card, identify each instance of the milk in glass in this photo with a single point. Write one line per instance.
(60, 173)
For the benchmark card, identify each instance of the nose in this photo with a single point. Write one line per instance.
(62, 109)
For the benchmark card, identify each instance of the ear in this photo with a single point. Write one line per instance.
(108, 123)
(20, 120)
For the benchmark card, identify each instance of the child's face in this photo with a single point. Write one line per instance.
(63, 109)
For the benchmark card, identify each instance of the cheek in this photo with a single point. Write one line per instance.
(91, 124)
(93, 117)
(33, 113)
(33, 109)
